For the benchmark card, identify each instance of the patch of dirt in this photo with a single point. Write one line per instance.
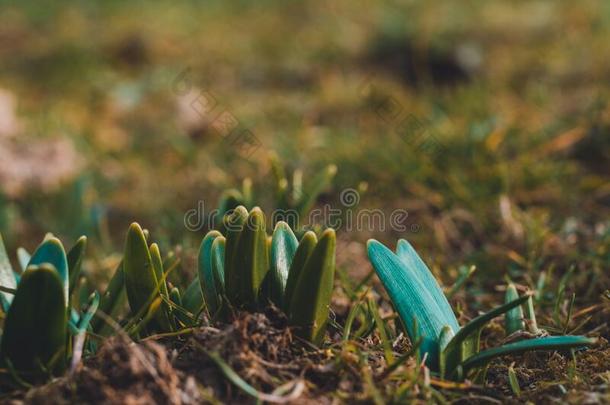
(206, 364)
(262, 350)
(553, 377)
(121, 372)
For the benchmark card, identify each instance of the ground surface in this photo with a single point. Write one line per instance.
(488, 122)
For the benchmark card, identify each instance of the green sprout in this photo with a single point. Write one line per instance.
(293, 197)
(41, 326)
(245, 269)
(450, 350)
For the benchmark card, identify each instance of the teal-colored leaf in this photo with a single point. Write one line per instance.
(206, 280)
(36, 324)
(513, 318)
(75, 260)
(192, 300)
(92, 306)
(52, 251)
(74, 318)
(7, 278)
(310, 303)
(465, 342)
(545, 343)
(283, 247)
(409, 256)
(304, 250)
(218, 263)
(419, 312)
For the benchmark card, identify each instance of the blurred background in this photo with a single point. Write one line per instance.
(487, 121)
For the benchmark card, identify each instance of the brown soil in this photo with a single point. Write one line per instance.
(262, 350)
(122, 372)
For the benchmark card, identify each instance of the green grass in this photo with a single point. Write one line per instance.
(518, 186)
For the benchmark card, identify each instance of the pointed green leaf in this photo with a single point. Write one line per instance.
(111, 302)
(233, 223)
(218, 263)
(176, 297)
(229, 201)
(283, 247)
(410, 298)
(465, 342)
(545, 343)
(532, 324)
(251, 260)
(164, 316)
(443, 340)
(7, 278)
(140, 279)
(513, 318)
(193, 298)
(513, 381)
(205, 273)
(75, 260)
(409, 256)
(297, 185)
(280, 180)
(304, 250)
(92, 306)
(36, 324)
(320, 181)
(310, 303)
(52, 251)
(74, 319)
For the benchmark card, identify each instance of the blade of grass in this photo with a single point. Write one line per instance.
(463, 343)
(513, 318)
(79, 341)
(513, 380)
(383, 335)
(239, 382)
(545, 343)
(75, 258)
(462, 278)
(111, 301)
